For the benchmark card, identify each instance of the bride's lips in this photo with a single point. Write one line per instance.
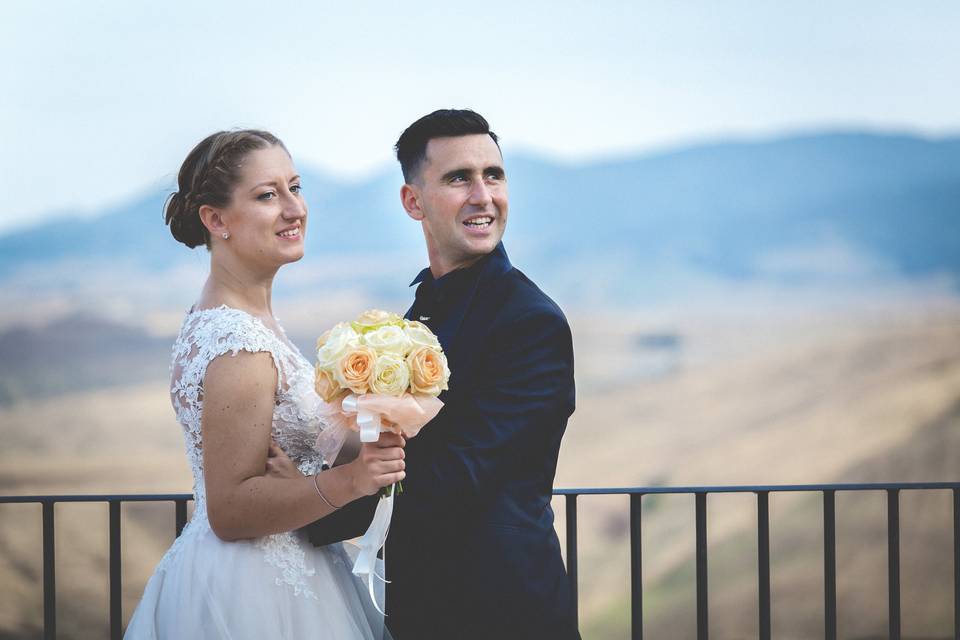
(479, 224)
(290, 233)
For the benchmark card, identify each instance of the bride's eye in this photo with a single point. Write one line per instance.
(267, 195)
(296, 188)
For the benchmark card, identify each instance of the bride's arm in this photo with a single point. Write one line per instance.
(242, 502)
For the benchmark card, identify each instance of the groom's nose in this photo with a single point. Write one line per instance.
(480, 194)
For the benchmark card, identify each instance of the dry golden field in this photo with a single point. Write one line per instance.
(866, 393)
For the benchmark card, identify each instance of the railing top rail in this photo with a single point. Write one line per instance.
(133, 497)
(771, 488)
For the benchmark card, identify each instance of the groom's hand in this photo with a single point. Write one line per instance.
(279, 464)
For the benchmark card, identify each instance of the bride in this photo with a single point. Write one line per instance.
(240, 389)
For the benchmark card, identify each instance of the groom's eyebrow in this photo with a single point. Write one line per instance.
(455, 173)
(465, 172)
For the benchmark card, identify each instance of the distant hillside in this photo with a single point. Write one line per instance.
(77, 353)
(847, 206)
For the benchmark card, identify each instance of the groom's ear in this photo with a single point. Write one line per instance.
(410, 200)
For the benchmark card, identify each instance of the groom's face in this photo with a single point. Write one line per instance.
(460, 196)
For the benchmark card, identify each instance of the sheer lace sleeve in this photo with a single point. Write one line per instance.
(205, 335)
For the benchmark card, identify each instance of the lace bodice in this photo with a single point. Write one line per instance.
(208, 333)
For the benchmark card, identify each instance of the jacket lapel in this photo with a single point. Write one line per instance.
(456, 342)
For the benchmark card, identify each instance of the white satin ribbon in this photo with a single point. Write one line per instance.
(370, 543)
(369, 423)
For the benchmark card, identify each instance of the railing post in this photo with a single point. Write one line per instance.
(49, 573)
(893, 561)
(956, 564)
(829, 565)
(636, 567)
(180, 508)
(572, 554)
(116, 615)
(763, 562)
(702, 614)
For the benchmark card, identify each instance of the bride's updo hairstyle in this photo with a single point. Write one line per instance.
(207, 177)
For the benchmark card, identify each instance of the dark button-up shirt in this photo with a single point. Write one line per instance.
(440, 299)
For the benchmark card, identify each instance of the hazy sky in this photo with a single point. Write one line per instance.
(101, 100)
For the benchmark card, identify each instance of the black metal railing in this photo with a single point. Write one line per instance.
(763, 492)
(636, 495)
(47, 503)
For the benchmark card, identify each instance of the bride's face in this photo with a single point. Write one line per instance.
(267, 216)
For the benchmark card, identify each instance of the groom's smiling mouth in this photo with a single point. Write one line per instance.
(478, 222)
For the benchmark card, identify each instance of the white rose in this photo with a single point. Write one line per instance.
(374, 319)
(391, 376)
(420, 335)
(339, 340)
(389, 339)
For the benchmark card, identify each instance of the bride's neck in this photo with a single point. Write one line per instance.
(237, 287)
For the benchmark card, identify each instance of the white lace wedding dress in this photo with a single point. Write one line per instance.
(278, 586)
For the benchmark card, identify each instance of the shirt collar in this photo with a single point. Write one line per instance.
(496, 259)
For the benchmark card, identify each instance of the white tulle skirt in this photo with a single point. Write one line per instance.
(275, 587)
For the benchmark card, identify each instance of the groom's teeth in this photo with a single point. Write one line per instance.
(479, 222)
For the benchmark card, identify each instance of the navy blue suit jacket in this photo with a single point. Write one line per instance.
(472, 552)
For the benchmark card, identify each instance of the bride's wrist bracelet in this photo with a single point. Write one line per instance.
(316, 485)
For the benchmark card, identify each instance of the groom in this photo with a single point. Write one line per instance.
(472, 551)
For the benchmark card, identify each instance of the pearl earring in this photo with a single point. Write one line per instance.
(225, 235)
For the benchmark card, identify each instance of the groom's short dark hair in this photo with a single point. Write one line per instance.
(411, 148)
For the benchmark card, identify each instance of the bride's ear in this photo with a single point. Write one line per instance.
(213, 221)
(410, 200)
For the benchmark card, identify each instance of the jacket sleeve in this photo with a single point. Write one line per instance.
(519, 400)
(348, 522)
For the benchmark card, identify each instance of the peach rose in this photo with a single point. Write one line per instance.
(327, 388)
(355, 369)
(429, 373)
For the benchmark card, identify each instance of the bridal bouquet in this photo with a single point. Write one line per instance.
(378, 367)
(377, 373)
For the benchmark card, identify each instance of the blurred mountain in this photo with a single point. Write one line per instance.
(853, 206)
(77, 353)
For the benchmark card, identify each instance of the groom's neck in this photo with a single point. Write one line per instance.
(441, 266)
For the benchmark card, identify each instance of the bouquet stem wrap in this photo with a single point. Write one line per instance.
(365, 566)
(372, 414)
